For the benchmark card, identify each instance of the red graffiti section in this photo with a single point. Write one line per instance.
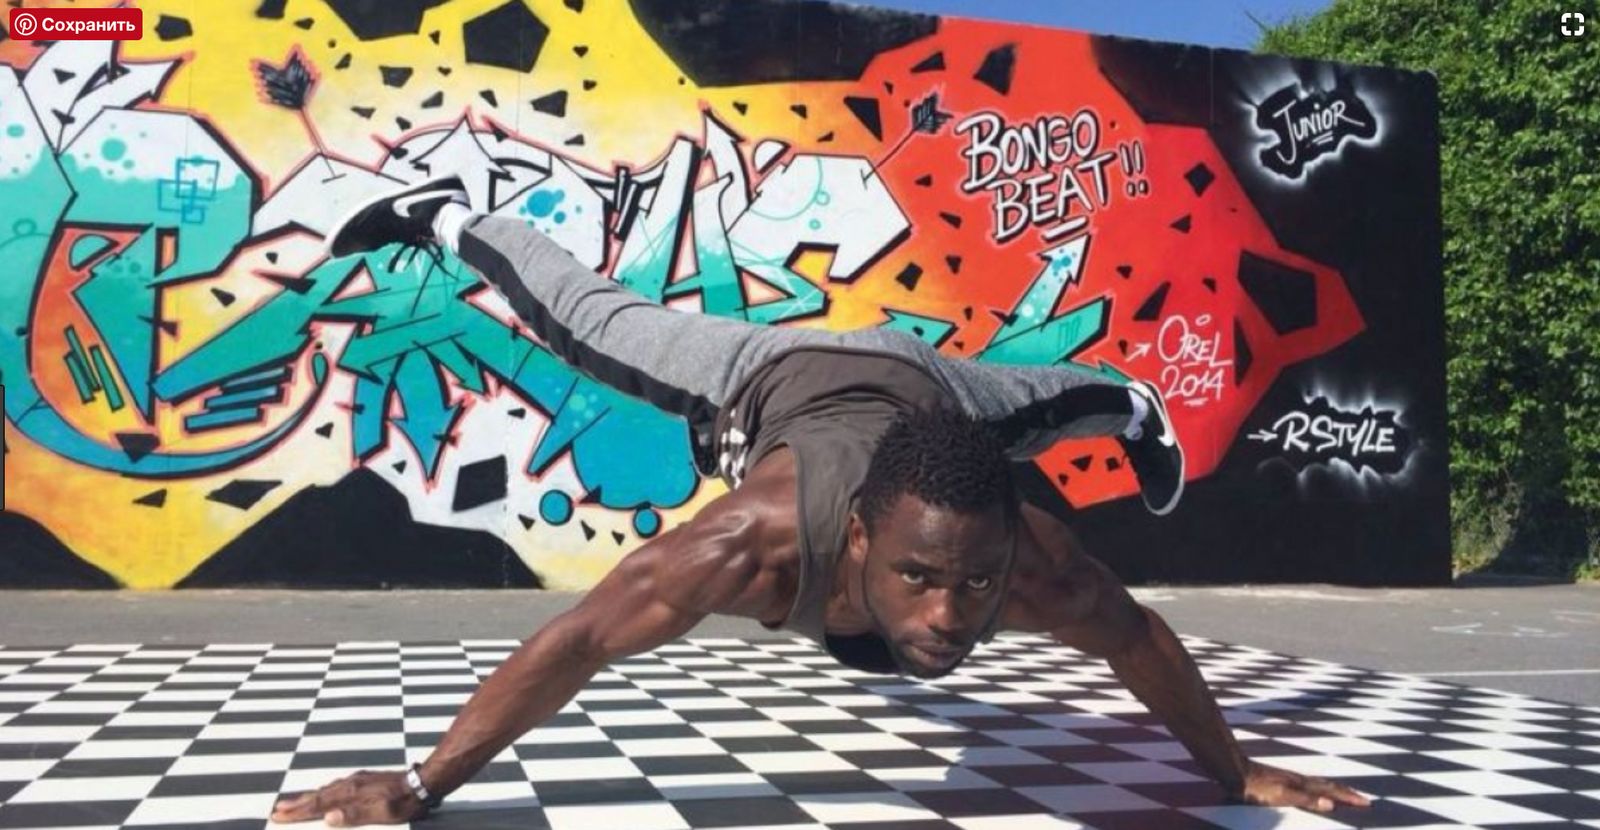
(1040, 149)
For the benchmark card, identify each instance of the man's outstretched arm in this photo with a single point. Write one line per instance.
(553, 665)
(655, 595)
(1096, 615)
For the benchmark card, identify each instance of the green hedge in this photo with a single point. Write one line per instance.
(1520, 117)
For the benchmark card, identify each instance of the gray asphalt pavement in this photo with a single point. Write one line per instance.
(1534, 639)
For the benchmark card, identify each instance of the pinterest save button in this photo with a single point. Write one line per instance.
(76, 24)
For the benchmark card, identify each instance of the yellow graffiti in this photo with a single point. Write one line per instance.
(626, 99)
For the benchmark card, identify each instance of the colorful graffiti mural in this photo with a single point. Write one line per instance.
(181, 362)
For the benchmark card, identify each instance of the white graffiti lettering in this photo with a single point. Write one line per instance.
(1322, 433)
(1309, 125)
(1195, 368)
(1316, 127)
(1044, 173)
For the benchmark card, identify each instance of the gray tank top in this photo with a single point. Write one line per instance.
(830, 406)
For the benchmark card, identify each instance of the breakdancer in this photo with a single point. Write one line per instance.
(871, 509)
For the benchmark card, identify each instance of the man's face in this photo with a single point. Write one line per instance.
(932, 580)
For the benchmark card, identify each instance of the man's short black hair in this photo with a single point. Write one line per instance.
(943, 457)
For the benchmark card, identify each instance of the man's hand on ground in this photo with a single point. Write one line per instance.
(363, 798)
(1273, 787)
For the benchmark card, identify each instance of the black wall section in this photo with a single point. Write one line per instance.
(1165, 83)
(732, 42)
(374, 19)
(509, 37)
(35, 558)
(359, 534)
(1274, 514)
(1264, 518)
(1287, 296)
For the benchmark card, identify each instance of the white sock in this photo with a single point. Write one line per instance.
(1141, 410)
(449, 221)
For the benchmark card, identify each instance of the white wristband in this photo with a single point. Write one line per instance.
(414, 781)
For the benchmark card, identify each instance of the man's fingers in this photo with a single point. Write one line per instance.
(289, 802)
(1302, 794)
(299, 808)
(355, 811)
(365, 798)
(314, 803)
(1335, 791)
(1345, 795)
(1322, 795)
(1303, 798)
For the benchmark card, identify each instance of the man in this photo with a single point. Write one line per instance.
(872, 509)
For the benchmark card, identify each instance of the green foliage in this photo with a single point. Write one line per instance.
(1520, 123)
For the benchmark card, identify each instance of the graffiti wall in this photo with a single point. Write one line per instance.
(195, 395)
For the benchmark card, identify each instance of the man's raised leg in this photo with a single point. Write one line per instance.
(686, 364)
(1033, 407)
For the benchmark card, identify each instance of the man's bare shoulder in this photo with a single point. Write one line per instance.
(740, 553)
(1054, 581)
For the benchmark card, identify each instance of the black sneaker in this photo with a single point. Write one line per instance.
(1156, 457)
(404, 215)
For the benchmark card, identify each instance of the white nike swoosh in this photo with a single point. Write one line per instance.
(402, 206)
(1167, 438)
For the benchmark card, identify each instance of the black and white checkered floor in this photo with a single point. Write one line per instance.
(767, 734)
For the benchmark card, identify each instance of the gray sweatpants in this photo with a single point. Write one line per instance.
(688, 364)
